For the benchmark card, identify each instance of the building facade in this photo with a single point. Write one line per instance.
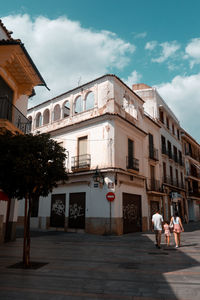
(112, 150)
(171, 159)
(125, 159)
(18, 77)
(191, 150)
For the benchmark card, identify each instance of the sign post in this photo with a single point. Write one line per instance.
(110, 196)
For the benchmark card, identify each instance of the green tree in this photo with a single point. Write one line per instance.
(30, 166)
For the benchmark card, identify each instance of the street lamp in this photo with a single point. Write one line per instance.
(98, 177)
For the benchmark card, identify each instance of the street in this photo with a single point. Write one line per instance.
(82, 266)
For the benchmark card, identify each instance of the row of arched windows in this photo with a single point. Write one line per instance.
(58, 113)
(129, 107)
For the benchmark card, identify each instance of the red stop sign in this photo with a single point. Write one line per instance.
(110, 196)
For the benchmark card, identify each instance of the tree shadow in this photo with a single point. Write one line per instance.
(85, 266)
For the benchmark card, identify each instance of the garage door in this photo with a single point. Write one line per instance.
(132, 217)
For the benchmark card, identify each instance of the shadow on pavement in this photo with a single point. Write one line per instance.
(83, 266)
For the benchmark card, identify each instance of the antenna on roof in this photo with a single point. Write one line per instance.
(79, 81)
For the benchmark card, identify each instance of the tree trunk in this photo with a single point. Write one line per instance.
(7, 234)
(27, 239)
(25, 231)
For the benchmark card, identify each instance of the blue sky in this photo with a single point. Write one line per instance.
(152, 41)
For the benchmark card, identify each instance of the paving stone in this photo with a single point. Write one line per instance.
(83, 266)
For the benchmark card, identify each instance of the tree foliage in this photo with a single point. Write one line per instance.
(30, 165)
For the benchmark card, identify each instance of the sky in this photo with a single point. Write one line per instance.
(156, 42)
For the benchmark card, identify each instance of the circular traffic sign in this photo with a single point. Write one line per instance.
(110, 196)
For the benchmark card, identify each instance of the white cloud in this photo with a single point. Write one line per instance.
(141, 35)
(133, 78)
(151, 45)
(182, 95)
(65, 53)
(193, 51)
(168, 50)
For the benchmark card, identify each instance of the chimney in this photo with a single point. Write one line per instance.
(140, 86)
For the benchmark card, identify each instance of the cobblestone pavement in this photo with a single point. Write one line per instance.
(83, 266)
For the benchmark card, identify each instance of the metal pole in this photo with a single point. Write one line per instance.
(25, 230)
(110, 219)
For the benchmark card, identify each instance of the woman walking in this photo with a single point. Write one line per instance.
(177, 229)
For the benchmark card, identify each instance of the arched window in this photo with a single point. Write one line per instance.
(46, 117)
(125, 104)
(66, 109)
(56, 112)
(78, 107)
(133, 111)
(38, 121)
(89, 101)
(30, 122)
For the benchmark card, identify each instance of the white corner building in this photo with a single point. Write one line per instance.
(113, 154)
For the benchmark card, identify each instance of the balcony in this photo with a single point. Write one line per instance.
(81, 162)
(154, 185)
(194, 155)
(180, 161)
(10, 113)
(132, 163)
(169, 153)
(153, 153)
(194, 193)
(164, 149)
(175, 158)
(192, 173)
(174, 182)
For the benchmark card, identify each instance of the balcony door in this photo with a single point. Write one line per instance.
(130, 152)
(6, 100)
(82, 151)
(82, 145)
(164, 172)
(152, 174)
(151, 146)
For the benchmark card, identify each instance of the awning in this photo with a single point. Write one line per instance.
(3, 196)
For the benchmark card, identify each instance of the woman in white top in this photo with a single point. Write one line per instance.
(177, 229)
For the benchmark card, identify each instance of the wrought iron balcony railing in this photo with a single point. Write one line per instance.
(180, 161)
(9, 112)
(194, 155)
(132, 163)
(154, 185)
(175, 158)
(193, 174)
(169, 153)
(164, 149)
(153, 153)
(194, 193)
(81, 162)
(174, 182)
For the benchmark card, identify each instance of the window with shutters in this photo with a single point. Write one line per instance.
(169, 146)
(132, 162)
(163, 143)
(171, 175)
(164, 172)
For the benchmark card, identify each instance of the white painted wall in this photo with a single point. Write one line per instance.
(3, 35)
